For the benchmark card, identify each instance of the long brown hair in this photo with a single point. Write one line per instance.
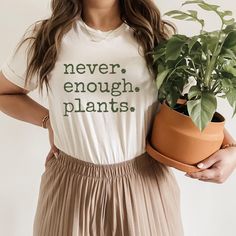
(45, 39)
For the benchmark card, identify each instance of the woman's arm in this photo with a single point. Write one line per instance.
(220, 165)
(15, 102)
(228, 139)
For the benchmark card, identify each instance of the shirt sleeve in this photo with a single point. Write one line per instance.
(15, 66)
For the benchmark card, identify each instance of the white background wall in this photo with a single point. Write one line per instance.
(207, 209)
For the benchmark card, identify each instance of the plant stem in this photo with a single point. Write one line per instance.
(215, 54)
(174, 69)
(196, 73)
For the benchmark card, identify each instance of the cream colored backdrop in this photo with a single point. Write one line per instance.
(207, 209)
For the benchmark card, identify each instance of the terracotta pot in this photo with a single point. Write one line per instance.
(177, 142)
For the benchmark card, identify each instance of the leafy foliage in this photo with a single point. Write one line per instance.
(208, 59)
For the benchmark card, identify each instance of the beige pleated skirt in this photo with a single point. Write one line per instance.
(138, 197)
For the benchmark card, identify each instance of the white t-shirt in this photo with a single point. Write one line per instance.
(102, 99)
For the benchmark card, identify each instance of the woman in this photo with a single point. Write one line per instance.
(98, 180)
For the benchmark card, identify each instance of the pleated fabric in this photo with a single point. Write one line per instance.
(138, 197)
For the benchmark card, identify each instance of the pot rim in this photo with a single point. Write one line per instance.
(154, 153)
(220, 116)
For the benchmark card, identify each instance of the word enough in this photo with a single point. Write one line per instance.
(115, 88)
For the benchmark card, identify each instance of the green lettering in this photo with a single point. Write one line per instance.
(80, 68)
(69, 107)
(90, 107)
(124, 105)
(100, 105)
(77, 87)
(103, 68)
(89, 87)
(113, 66)
(127, 83)
(66, 69)
(114, 89)
(68, 85)
(93, 68)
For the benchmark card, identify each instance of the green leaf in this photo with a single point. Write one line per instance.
(161, 77)
(161, 68)
(174, 47)
(228, 53)
(230, 69)
(229, 28)
(225, 13)
(194, 91)
(192, 42)
(203, 5)
(190, 16)
(231, 96)
(172, 98)
(233, 49)
(229, 22)
(202, 110)
(192, 2)
(193, 13)
(208, 7)
(222, 96)
(226, 84)
(230, 40)
(234, 110)
(180, 15)
(158, 54)
(209, 41)
(213, 41)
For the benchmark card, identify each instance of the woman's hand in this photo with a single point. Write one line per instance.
(54, 150)
(218, 167)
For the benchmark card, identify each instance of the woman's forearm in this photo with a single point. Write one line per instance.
(227, 137)
(22, 107)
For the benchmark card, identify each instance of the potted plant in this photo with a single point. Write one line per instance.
(191, 73)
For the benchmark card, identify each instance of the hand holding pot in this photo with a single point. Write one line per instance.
(217, 167)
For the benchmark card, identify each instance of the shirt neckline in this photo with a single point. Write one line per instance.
(99, 34)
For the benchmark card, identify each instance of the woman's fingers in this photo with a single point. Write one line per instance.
(210, 161)
(55, 151)
(214, 174)
(224, 164)
(205, 174)
(49, 157)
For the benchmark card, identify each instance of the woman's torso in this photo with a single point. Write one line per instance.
(103, 98)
